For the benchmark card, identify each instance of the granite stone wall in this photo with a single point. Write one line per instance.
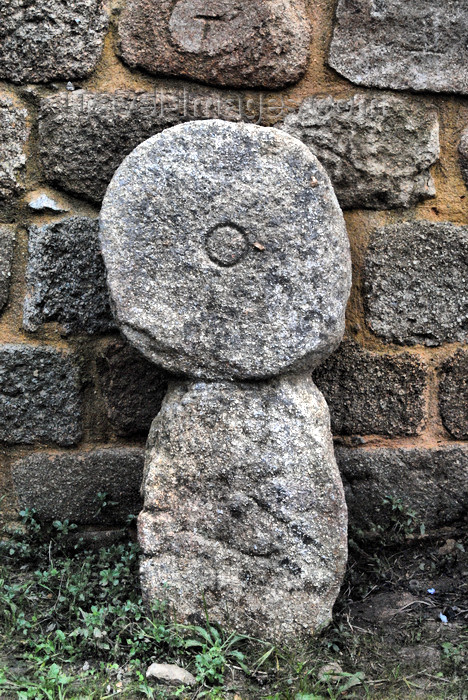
(377, 89)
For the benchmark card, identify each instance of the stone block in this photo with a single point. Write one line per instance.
(8, 509)
(238, 43)
(67, 485)
(133, 388)
(416, 283)
(7, 239)
(39, 396)
(453, 395)
(84, 136)
(50, 40)
(66, 279)
(372, 393)
(42, 203)
(226, 252)
(244, 507)
(376, 150)
(463, 155)
(417, 45)
(431, 482)
(13, 136)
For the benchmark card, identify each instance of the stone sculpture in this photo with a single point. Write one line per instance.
(228, 264)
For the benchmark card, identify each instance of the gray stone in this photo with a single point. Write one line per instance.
(7, 239)
(133, 388)
(171, 674)
(9, 508)
(453, 395)
(84, 136)
(244, 507)
(39, 396)
(45, 203)
(73, 485)
(377, 150)
(373, 393)
(66, 280)
(331, 672)
(242, 43)
(433, 483)
(463, 155)
(417, 45)
(273, 298)
(50, 40)
(416, 283)
(13, 136)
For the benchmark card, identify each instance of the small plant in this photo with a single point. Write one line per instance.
(103, 502)
(398, 524)
(404, 520)
(216, 652)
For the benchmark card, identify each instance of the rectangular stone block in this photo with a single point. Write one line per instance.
(373, 393)
(416, 283)
(431, 482)
(7, 497)
(67, 485)
(453, 395)
(66, 279)
(463, 155)
(7, 238)
(416, 45)
(39, 396)
(241, 43)
(84, 136)
(13, 136)
(377, 150)
(50, 40)
(132, 386)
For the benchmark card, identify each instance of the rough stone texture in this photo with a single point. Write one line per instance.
(64, 485)
(13, 135)
(453, 395)
(39, 396)
(417, 45)
(244, 504)
(133, 388)
(65, 276)
(377, 150)
(416, 283)
(431, 482)
(44, 203)
(463, 155)
(84, 136)
(50, 39)
(7, 239)
(372, 393)
(242, 43)
(171, 674)
(280, 306)
(9, 504)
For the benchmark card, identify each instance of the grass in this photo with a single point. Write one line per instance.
(72, 626)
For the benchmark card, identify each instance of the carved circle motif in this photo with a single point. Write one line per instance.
(226, 244)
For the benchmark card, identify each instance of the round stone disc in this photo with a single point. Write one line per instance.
(226, 252)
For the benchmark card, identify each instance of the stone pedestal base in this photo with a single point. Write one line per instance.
(244, 507)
